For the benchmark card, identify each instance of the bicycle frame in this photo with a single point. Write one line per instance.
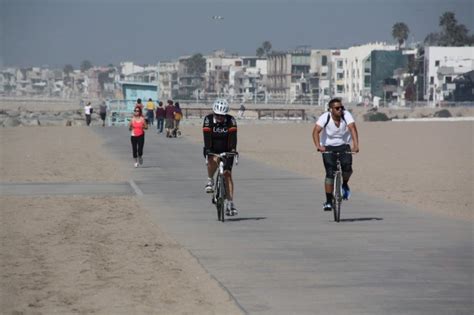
(337, 187)
(220, 188)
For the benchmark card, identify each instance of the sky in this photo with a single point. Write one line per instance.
(58, 32)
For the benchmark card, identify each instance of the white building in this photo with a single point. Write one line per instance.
(442, 65)
(168, 79)
(347, 79)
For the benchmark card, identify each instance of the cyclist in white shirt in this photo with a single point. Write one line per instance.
(335, 131)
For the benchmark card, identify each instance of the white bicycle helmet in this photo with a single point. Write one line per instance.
(220, 107)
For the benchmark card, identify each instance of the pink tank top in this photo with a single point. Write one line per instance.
(137, 127)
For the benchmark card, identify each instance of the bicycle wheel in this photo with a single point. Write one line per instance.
(337, 196)
(220, 204)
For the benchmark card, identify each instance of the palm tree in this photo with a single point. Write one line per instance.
(267, 46)
(400, 32)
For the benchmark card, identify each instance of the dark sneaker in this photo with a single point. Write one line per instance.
(327, 206)
(140, 160)
(346, 192)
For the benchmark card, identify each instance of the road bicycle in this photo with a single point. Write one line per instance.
(220, 187)
(337, 190)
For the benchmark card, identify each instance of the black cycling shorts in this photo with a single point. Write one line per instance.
(330, 163)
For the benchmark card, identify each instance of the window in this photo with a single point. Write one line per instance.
(324, 60)
(339, 64)
(340, 75)
(431, 80)
(449, 79)
(367, 81)
(340, 88)
(437, 63)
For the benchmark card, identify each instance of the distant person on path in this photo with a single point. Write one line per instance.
(241, 111)
(338, 130)
(88, 112)
(150, 111)
(169, 118)
(160, 117)
(103, 112)
(220, 135)
(178, 115)
(139, 104)
(137, 126)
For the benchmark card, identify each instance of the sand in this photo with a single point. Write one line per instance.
(104, 255)
(423, 165)
(88, 255)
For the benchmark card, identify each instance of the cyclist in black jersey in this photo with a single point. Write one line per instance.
(220, 135)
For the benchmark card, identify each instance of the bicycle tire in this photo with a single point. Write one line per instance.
(220, 199)
(337, 196)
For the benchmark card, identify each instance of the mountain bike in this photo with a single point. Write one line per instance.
(220, 188)
(337, 190)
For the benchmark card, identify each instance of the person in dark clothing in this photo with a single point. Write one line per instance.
(220, 135)
(169, 118)
(160, 117)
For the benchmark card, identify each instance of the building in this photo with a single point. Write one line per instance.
(441, 66)
(349, 71)
(168, 79)
(321, 70)
(288, 75)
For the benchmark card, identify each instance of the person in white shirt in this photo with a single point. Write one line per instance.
(88, 113)
(335, 131)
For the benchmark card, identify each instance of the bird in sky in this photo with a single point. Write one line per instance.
(217, 17)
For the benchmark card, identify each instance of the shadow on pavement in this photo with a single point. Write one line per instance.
(360, 219)
(245, 219)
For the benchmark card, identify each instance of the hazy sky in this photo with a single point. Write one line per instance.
(58, 32)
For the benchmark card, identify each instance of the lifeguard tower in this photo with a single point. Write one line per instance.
(120, 111)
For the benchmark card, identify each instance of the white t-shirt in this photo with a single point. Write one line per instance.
(332, 135)
(87, 109)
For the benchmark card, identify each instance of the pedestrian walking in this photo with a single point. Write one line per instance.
(160, 117)
(178, 115)
(103, 112)
(169, 119)
(150, 111)
(88, 112)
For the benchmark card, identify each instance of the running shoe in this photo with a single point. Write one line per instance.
(140, 160)
(346, 192)
(233, 209)
(209, 187)
(327, 206)
(136, 164)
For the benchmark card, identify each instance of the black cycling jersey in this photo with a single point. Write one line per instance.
(220, 137)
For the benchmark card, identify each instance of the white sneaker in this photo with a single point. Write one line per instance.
(136, 164)
(233, 210)
(209, 187)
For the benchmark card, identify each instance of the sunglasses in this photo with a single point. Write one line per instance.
(337, 108)
(136, 111)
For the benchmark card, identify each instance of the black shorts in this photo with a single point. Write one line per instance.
(102, 116)
(228, 162)
(330, 163)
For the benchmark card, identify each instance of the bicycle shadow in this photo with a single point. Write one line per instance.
(245, 219)
(360, 219)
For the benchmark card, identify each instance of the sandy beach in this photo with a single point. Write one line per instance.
(88, 255)
(105, 255)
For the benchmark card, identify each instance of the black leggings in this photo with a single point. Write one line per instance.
(137, 145)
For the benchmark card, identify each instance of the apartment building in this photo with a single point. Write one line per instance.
(168, 79)
(348, 72)
(441, 66)
(288, 75)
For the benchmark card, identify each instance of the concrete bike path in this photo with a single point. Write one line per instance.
(284, 255)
